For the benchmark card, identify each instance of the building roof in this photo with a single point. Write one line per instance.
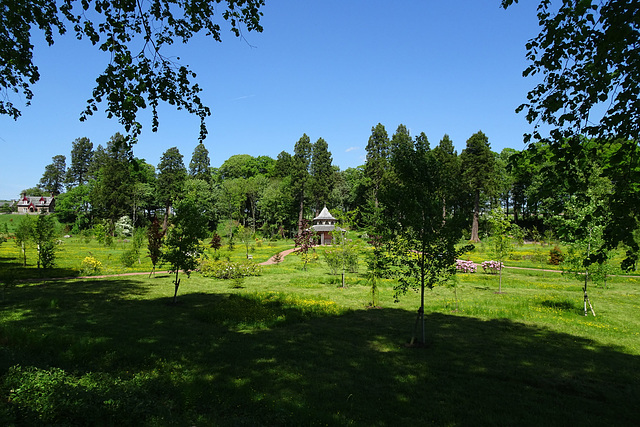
(35, 200)
(324, 214)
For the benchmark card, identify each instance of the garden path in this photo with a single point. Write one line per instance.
(273, 259)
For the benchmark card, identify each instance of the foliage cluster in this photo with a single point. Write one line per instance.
(338, 257)
(90, 265)
(556, 256)
(492, 267)
(223, 269)
(466, 266)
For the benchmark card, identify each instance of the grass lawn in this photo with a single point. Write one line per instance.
(291, 347)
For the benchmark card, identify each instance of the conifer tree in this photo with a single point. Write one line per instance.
(322, 174)
(477, 172)
(300, 174)
(200, 163)
(81, 157)
(171, 177)
(377, 159)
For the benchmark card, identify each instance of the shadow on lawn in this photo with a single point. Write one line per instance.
(11, 269)
(338, 370)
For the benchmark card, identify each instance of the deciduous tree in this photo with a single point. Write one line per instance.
(44, 232)
(133, 35)
(154, 245)
(182, 241)
(23, 234)
(423, 241)
(588, 59)
(501, 241)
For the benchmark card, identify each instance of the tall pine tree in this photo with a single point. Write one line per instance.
(53, 177)
(171, 177)
(322, 174)
(377, 159)
(81, 157)
(300, 174)
(477, 172)
(200, 163)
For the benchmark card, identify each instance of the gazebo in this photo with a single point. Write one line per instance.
(324, 224)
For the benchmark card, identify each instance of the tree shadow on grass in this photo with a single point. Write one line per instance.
(336, 370)
(11, 269)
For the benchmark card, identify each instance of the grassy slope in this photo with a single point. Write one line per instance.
(243, 356)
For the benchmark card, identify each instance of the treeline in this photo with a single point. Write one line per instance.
(263, 194)
(535, 187)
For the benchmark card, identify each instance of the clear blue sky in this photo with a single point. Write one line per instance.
(330, 69)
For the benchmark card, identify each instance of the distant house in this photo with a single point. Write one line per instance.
(324, 224)
(36, 204)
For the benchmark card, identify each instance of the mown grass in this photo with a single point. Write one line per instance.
(71, 251)
(292, 347)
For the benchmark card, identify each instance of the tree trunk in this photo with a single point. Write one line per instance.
(300, 215)
(476, 218)
(444, 210)
(177, 284)
(507, 204)
(165, 222)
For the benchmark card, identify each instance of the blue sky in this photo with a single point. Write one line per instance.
(330, 69)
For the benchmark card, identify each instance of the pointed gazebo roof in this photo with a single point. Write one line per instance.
(324, 214)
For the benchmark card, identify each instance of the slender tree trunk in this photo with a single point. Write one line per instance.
(300, 215)
(586, 280)
(444, 209)
(165, 222)
(177, 284)
(476, 218)
(507, 204)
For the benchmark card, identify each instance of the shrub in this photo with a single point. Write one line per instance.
(466, 266)
(129, 257)
(90, 265)
(228, 269)
(55, 397)
(336, 256)
(124, 226)
(351, 260)
(555, 256)
(86, 235)
(99, 231)
(333, 258)
(492, 267)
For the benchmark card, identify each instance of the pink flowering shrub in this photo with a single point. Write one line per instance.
(466, 266)
(492, 267)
